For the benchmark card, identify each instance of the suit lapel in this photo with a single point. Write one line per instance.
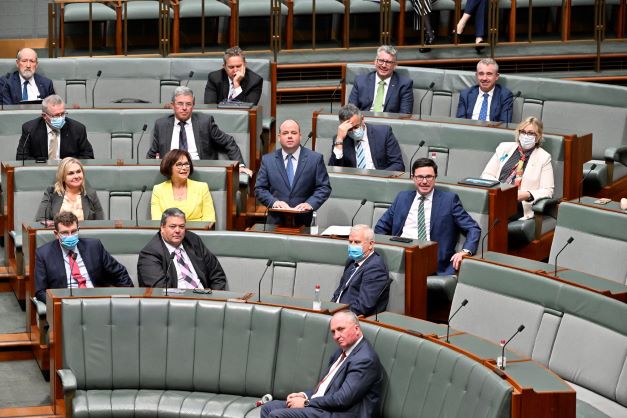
(496, 103)
(196, 263)
(226, 85)
(82, 248)
(349, 151)
(302, 162)
(472, 100)
(374, 145)
(371, 86)
(168, 131)
(42, 134)
(391, 90)
(435, 213)
(278, 158)
(196, 130)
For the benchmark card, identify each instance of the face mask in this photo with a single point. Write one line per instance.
(57, 122)
(355, 252)
(527, 141)
(357, 134)
(69, 243)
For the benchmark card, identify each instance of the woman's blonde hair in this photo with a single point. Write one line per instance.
(59, 184)
(537, 125)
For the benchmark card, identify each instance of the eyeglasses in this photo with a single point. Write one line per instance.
(181, 165)
(183, 104)
(420, 179)
(385, 62)
(530, 133)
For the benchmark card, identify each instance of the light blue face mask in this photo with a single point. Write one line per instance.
(355, 252)
(69, 243)
(57, 122)
(357, 134)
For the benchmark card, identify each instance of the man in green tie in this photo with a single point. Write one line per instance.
(383, 90)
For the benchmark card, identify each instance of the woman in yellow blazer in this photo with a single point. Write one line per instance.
(524, 164)
(192, 197)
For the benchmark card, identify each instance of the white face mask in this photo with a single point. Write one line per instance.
(527, 141)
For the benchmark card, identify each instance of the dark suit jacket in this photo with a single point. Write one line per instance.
(51, 205)
(399, 98)
(154, 257)
(384, 150)
(12, 90)
(311, 183)
(209, 138)
(103, 269)
(362, 293)
(500, 108)
(74, 142)
(217, 88)
(448, 219)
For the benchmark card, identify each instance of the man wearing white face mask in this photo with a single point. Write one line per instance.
(524, 164)
(364, 282)
(53, 136)
(364, 146)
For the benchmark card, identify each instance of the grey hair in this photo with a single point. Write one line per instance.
(348, 111)
(235, 51)
(182, 91)
(369, 233)
(52, 100)
(388, 49)
(19, 53)
(350, 315)
(171, 212)
(488, 61)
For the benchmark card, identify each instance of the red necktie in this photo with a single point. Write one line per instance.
(76, 272)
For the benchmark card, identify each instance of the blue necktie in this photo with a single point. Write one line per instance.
(25, 91)
(361, 155)
(182, 137)
(483, 113)
(290, 169)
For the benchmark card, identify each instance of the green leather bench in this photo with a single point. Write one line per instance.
(138, 356)
(578, 334)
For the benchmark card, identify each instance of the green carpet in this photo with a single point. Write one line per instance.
(22, 384)
(12, 318)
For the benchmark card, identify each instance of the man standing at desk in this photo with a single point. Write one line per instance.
(234, 82)
(24, 84)
(178, 258)
(371, 147)
(292, 177)
(72, 262)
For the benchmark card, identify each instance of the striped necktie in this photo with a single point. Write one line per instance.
(422, 228)
(186, 273)
(361, 155)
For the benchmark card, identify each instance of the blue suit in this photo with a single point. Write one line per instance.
(500, 108)
(103, 269)
(363, 292)
(448, 219)
(12, 90)
(354, 392)
(311, 183)
(384, 150)
(399, 97)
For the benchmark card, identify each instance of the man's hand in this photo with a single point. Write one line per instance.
(457, 259)
(296, 395)
(246, 170)
(239, 76)
(296, 402)
(279, 204)
(343, 129)
(303, 206)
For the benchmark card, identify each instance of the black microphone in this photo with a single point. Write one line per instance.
(265, 219)
(268, 264)
(361, 205)
(518, 331)
(423, 97)
(592, 167)
(189, 77)
(167, 269)
(411, 160)
(144, 187)
(93, 89)
(568, 242)
(496, 221)
(511, 110)
(24, 147)
(72, 258)
(376, 312)
(335, 91)
(139, 142)
(5, 80)
(308, 138)
(448, 323)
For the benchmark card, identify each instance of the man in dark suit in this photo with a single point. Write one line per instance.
(431, 215)
(234, 82)
(351, 387)
(70, 262)
(178, 259)
(487, 100)
(54, 136)
(196, 133)
(359, 145)
(292, 177)
(364, 283)
(24, 84)
(383, 90)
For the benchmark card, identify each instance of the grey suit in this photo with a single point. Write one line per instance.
(51, 205)
(209, 138)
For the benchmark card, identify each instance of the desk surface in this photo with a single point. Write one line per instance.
(412, 324)
(529, 373)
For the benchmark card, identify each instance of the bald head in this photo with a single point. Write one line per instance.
(289, 136)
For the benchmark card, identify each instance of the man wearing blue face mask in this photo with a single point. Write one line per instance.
(53, 136)
(72, 262)
(364, 146)
(364, 283)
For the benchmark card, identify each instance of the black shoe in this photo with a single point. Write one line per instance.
(429, 38)
(479, 48)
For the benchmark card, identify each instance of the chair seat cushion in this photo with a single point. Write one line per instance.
(303, 7)
(444, 285)
(148, 402)
(521, 232)
(213, 8)
(146, 9)
(257, 8)
(368, 6)
(80, 12)
(592, 405)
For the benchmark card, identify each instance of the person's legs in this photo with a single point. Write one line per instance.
(279, 409)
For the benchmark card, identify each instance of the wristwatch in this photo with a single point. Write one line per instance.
(530, 198)
(306, 403)
(467, 251)
(338, 143)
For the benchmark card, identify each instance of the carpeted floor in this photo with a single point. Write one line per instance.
(12, 318)
(22, 384)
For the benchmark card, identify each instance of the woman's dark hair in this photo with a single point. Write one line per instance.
(170, 159)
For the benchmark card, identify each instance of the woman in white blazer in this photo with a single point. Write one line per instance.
(524, 164)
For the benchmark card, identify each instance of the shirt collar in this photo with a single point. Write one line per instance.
(377, 79)
(428, 197)
(352, 347)
(296, 153)
(360, 262)
(176, 121)
(22, 80)
(490, 93)
(170, 247)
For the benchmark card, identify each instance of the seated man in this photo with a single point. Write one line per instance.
(352, 386)
(72, 262)
(292, 177)
(383, 90)
(493, 104)
(364, 146)
(176, 258)
(234, 82)
(431, 215)
(24, 84)
(53, 136)
(196, 133)
(364, 284)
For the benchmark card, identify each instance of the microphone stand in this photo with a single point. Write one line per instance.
(139, 142)
(448, 323)
(411, 160)
(423, 97)
(496, 221)
(568, 242)
(93, 89)
(592, 167)
(361, 205)
(268, 263)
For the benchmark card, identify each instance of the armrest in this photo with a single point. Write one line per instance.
(40, 307)
(545, 206)
(244, 179)
(618, 154)
(68, 380)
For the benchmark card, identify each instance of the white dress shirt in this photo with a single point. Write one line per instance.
(191, 141)
(31, 88)
(233, 92)
(410, 229)
(81, 266)
(477, 109)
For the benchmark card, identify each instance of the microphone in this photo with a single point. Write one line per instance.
(139, 142)
(93, 89)
(448, 323)
(308, 138)
(265, 219)
(167, 269)
(568, 242)
(509, 112)
(73, 258)
(189, 77)
(411, 160)
(430, 88)
(264, 400)
(376, 312)
(24, 147)
(496, 221)
(518, 331)
(268, 263)
(144, 187)
(592, 167)
(335, 91)
(361, 205)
